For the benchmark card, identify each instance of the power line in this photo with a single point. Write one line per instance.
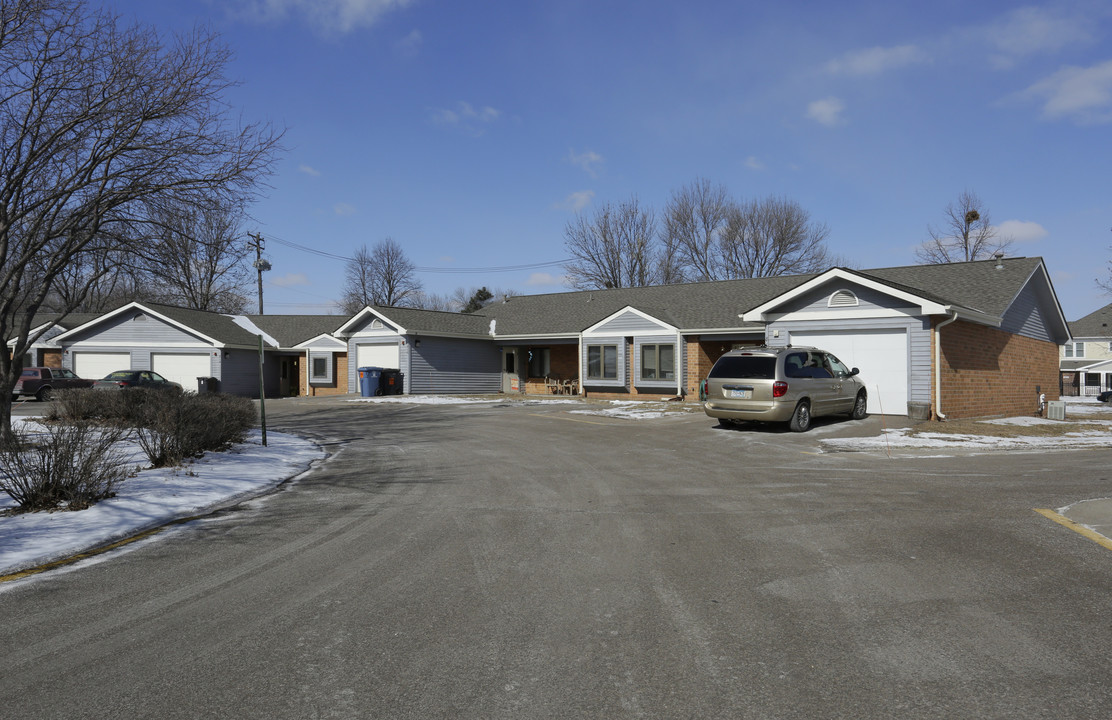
(442, 270)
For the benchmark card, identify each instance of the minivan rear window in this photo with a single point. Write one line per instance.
(755, 367)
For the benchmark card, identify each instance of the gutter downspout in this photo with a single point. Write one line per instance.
(938, 363)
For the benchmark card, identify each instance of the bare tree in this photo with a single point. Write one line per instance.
(434, 301)
(199, 258)
(694, 219)
(97, 122)
(966, 234)
(380, 276)
(771, 237)
(613, 248)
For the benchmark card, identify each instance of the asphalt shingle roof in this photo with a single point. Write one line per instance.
(1094, 325)
(978, 286)
(291, 330)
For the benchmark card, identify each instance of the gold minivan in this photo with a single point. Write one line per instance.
(782, 384)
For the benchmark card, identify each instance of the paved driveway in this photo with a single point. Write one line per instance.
(520, 561)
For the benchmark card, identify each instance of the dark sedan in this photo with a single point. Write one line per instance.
(1105, 396)
(124, 379)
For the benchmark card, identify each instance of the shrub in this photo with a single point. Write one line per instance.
(172, 428)
(65, 464)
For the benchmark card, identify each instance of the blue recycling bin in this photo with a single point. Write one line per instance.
(368, 381)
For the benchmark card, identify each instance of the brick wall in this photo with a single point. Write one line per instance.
(701, 356)
(563, 364)
(338, 386)
(987, 372)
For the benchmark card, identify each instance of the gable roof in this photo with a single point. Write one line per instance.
(219, 330)
(1097, 324)
(421, 322)
(292, 330)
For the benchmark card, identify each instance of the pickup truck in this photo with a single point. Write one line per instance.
(42, 381)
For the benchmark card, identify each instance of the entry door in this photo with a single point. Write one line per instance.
(511, 371)
(288, 385)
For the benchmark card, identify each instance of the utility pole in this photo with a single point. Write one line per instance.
(260, 266)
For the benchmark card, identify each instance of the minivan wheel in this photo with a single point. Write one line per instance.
(801, 418)
(859, 406)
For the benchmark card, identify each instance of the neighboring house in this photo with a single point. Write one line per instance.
(1086, 359)
(45, 351)
(961, 340)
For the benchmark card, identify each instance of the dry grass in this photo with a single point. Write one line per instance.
(989, 429)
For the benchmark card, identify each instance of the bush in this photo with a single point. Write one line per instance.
(66, 464)
(172, 428)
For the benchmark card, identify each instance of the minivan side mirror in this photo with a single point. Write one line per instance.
(853, 372)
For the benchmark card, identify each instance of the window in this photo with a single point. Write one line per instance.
(320, 368)
(658, 362)
(539, 363)
(602, 362)
(1075, 350)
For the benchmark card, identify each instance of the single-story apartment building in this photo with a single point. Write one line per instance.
(956, 340)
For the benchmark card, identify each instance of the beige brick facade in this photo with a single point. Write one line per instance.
(339, 384)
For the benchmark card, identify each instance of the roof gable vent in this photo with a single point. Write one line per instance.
(376, 324)
(843, 298)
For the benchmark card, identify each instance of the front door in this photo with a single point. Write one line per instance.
(288, 377)
(511, 371)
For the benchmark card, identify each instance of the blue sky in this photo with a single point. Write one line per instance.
(472, 132)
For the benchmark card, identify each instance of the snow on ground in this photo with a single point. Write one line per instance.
(152, 498)
(634, 409)
(1078, 411)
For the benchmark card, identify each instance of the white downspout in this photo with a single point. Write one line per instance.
(938, 364)
(579, 366)
(678, 362)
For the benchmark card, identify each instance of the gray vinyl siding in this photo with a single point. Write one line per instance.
(452, 366)
(918, 351)
(239, 373)
(678, 355)
(1025, 318)
(136, 329)
(628, 323)
(620, 381)
(817, 301)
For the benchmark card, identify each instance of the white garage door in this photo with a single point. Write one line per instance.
(383, 356)
(881, 355)
(95, 365)
(182, 368)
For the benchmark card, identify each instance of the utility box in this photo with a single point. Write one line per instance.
(1056, 410)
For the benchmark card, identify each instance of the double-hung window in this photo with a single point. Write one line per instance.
(1075, 350)
(658, 362)
(602, 362)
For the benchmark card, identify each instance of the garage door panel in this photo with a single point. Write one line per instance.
(182, 368)
(383, 356)
(880, 355)
(96, 365)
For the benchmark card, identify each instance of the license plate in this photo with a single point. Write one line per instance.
(740, 394)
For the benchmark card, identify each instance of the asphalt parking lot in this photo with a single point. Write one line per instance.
(523, 560)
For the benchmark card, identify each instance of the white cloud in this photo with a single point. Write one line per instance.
(333, 16)
(310, 171)
(1032, 30)
(876, 60)
(545, 279)
(576, 201)
(1083, 94)
(1022, 231)
(466, 117)
(410, 45)
(827, 111)
(588, 160)
(753, 163)
(289, 280)
(343, 209)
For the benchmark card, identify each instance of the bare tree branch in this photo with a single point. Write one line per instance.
(98, 123)
(966, 234)
(382, 276)
(613, 248)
